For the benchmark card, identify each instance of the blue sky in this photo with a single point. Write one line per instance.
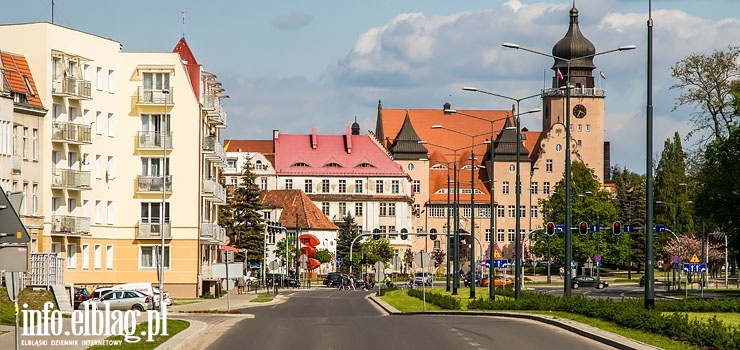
(291, 64)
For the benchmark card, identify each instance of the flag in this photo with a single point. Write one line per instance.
(559, 75)
(226, 146)
(601, 74)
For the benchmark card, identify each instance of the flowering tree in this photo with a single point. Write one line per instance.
(691, 245)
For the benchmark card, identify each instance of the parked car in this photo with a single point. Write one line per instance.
(498, 281)
(81, 294)
(332, 279)
(467, 279)
(282, 280)
(123, 300)
(100, 291)
(424, 278)
(587, 281)
(167, 300)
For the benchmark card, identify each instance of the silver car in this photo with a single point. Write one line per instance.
(122, 300)
(424, 278)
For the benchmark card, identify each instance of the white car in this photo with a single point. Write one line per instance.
(424, 278)
(168, 301)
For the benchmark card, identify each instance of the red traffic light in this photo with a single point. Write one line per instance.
(550, 228)
(617, 228)
(583, 228)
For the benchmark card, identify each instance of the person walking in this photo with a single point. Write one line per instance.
(561, 271)
(240, 283)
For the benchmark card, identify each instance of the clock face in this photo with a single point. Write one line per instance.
(579, 111)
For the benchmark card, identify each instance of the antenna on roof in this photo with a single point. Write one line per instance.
(183, 22)
(52, 11)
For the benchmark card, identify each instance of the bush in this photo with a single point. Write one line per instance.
(208, 295)
(446, 302)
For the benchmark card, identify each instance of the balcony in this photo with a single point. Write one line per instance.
(214, 151)
(215, 113)
(71, 133)
(153, 230)
(213, 191)
(146, 184)
(154, 97)
(153, 140)
(71, 87)
(213, 233)
(70, 225)
(17, 164)
(575, 92)
(70, 179)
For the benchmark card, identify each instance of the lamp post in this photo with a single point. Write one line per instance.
(162, 126)
(568, 217)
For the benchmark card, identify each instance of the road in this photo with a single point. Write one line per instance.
(325, 318)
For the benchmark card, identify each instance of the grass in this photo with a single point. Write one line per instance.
(173, 327)
(185, 301)
(262, 298)
(725, 317)
(404, 303)
(34, 298)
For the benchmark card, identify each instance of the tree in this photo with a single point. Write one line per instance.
(707, 83)
(348, 231)
(438, 256)
(242, 220)
(670, 189)
(630, 199)
(408, 260)
(280, 250)
(375, 251)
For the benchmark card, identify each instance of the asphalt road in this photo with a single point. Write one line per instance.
(331, 319)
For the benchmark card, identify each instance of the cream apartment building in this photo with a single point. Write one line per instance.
(119, 141)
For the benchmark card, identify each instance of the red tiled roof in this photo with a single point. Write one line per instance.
(15, 69)
(191, 65)
(328, 155)
(297, 209)
(259, 146)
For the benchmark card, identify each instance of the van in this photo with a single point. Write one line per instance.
(143, 287)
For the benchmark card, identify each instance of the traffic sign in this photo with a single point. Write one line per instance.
(496, 254)
(692, 267)
(628, 228)
(422, 260)
(559, 228)
(500, 263)
(675, 259)
(597, 257)
(660, 228)
(594, 228)
(13, 230)
(694, 259)
(339, 261)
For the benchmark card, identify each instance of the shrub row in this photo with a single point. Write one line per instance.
(664, 320)
(446, 302)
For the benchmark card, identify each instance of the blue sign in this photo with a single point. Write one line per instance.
(500, 263)
(598, 263)
(597, 257)
(573, 263)
(659, 228)
(694, 267)
(339, 261)
(559, 228)
(629, 228)
(594, 228)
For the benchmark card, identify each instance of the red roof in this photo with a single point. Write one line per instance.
(297, 209)
(191, 65)
(259, 146)
(329, 155)
(16, 70)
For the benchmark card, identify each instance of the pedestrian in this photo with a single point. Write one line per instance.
(562, 271)
(351, 282)
(240, 283)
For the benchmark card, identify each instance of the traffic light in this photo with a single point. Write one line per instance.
(617, 228)
(282, 262)
(550, 228)
(404, 234)
(376, 234)
(583, 228)
(433, 234)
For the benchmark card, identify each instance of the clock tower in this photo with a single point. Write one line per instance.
(586, 100)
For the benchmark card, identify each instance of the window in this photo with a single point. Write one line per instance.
(571, 127)
(263, 183)
(437, 243)
(548, 165)
(109, 171)
(483, 212)
(150, 257)
(97, 259)
(325, 186)
(34, 199)
(342, 186)
(342, 208)
(235, 180)
(488, 235)
(153, 167)
(56, 247)
(35, 144)
(558, 148)
(98, 167)
(533, 211)
(512, 168)
(288, 184)
(231, 163)
(99, 123)
(24, 205)
(546, 187)
(505, 187)
(522, 211)
(111, 81)
(391, 209)
(111, 125)
(358, 186)
(466, 211)
(417, 186)
(512, 211)
(395, 186)
(533, 188)
(71, 256)
(24, 144)
(588, 127)
(98, 212)
(379, 186)
(358, 209)
(383, 210)
(500, 211)
(437, 211)
(109, 257)
(580, 127)
(308, 186)
(85, 256)
(417, 209)
(99, 79)
(151, 212)
(325, 208)
(578, 143)
(511, 235)
(271, 237)
(109, 215)
(500, 235)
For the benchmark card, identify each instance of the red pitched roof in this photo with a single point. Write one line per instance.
(191, 65)
(16, 70)
(329, 155)
(296, 207)
(259, 146)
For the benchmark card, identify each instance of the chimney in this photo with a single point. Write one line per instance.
(275, 137)
(349, 139)
(314, 142)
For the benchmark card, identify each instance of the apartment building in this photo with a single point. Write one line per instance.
(116, 153)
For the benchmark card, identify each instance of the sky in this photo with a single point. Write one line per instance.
(291, 65)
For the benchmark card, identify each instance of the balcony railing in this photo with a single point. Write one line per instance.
(149, 96)
(70, 225)
(152, 230)
(153, 140)
(214, 111)
(214, 151)
(594, 92)
(153, 183)
(213, 232)
(213, 191)
(71, 87)
(70, 179)
(71, 133)
(17, 164)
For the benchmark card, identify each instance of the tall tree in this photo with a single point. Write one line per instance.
(674, 209)
(242, 220)
(707, 83)
(630, 196)
(348, 231)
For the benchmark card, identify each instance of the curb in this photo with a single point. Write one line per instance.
(194, 329)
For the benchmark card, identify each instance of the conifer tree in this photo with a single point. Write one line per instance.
(242, 220)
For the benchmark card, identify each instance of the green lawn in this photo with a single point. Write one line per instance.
(173, 327)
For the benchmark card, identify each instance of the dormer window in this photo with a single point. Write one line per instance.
(439, 167)
(28, 85)
(300, 164)
(365, 165)
(333, 165)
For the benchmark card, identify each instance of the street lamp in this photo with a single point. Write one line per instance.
(162, 126)
(568, 217)
(472, 200)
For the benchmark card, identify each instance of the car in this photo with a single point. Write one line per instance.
(586, 281)
(332, 279)
(424, 278)
(122, 300)
(282, 279)
(467, 279)
(167, 300)
(81, 294)
(498, 281)
(100, 291)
